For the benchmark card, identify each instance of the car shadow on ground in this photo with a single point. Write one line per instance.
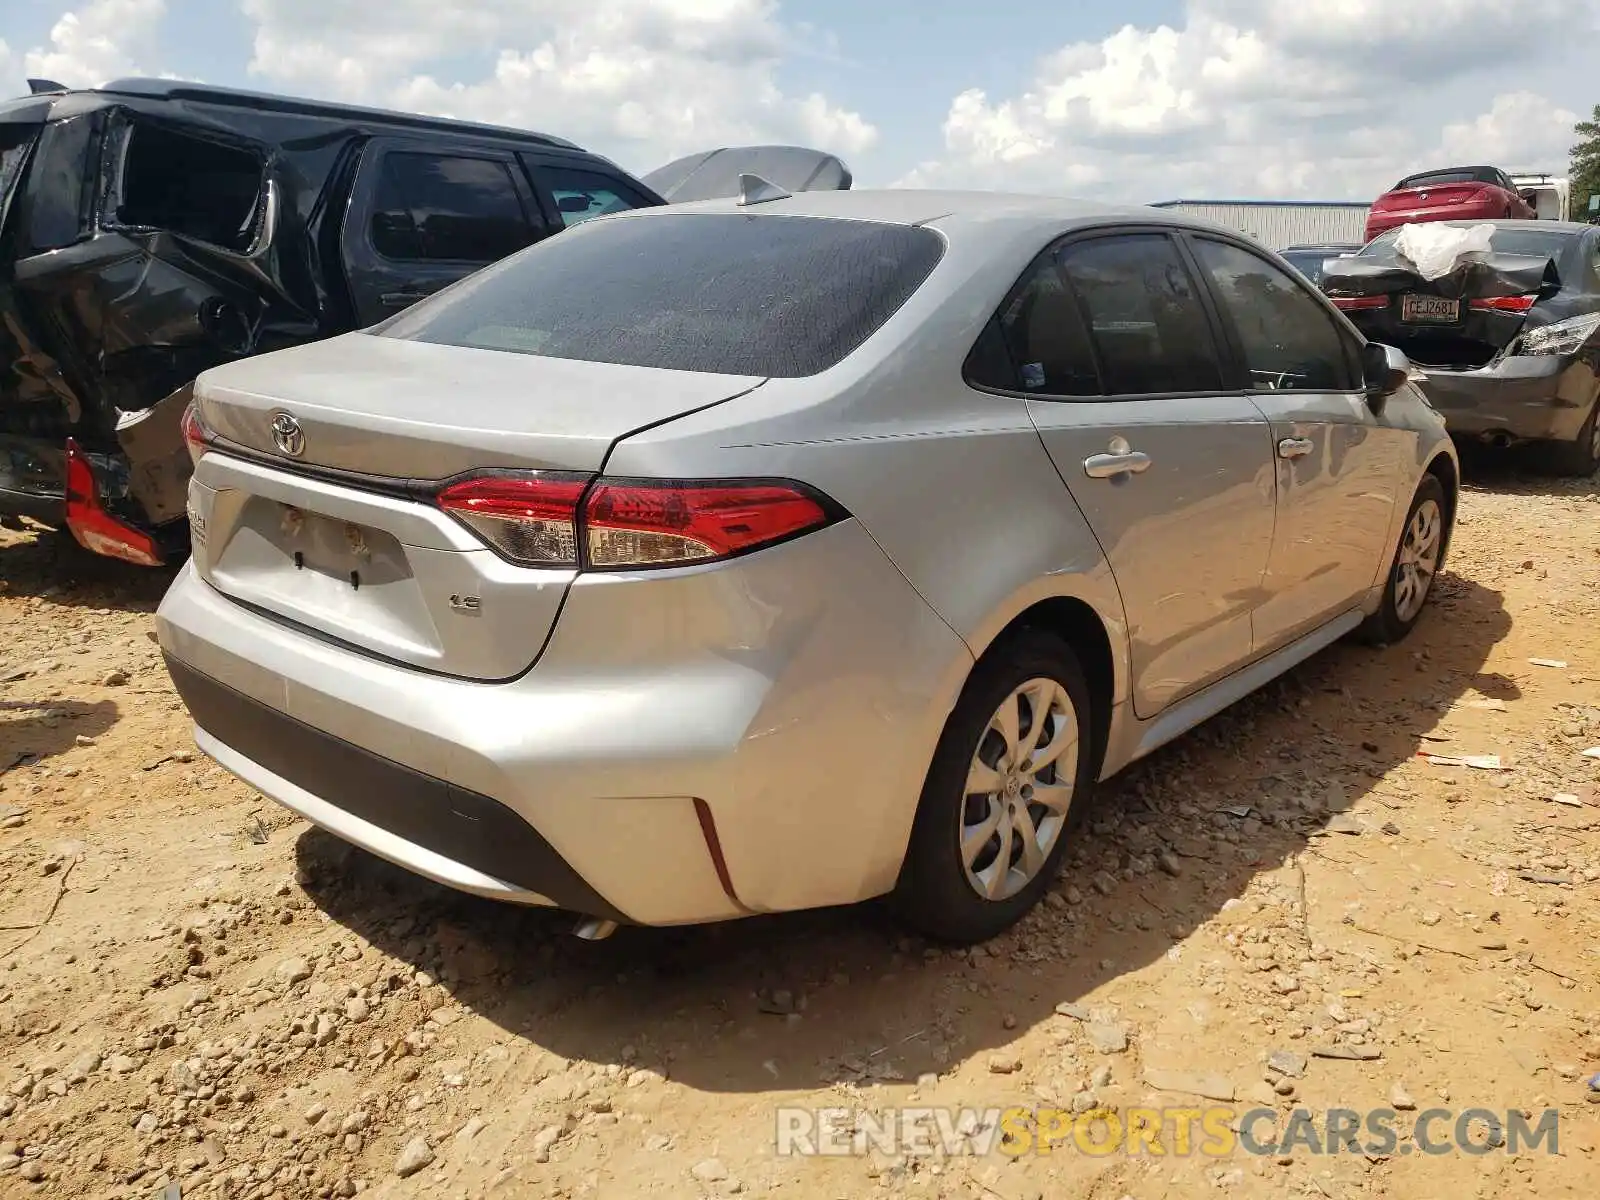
(50, 566)
(1515, 472)
(34, 731)
(812, 999)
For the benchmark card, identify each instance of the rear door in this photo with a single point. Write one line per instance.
(1338, 465)
(423, 216)
(1172, 467)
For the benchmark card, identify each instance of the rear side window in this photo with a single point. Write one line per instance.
(1289, 340)
(56, 206)
(431, 207)
(580, 195)
(1150, 329)
(15, 140)
(192, 186)
(1046, 342)
(738, 294)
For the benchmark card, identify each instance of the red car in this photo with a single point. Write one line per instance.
(1451, 194)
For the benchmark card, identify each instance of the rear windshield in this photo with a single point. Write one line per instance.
(1441, 178)
(1536, 243)
(1309, 262)
(724, 293)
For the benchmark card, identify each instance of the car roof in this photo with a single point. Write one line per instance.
(956, 213)
(193, 93)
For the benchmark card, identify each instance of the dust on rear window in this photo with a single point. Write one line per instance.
(722, 293)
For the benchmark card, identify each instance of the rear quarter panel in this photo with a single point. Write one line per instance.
(952, 484)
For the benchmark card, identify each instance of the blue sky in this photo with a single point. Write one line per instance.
(1146, 99)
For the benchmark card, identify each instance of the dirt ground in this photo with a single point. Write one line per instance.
(197, 989)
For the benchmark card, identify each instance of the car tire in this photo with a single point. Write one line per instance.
(1416, 564)
(1576, 459)
(949, 893)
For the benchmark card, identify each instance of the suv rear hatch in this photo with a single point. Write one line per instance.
(1461, 321)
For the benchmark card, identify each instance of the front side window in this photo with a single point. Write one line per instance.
(1148, 323)
(580, 195)
(432, 207)
(1289, 340)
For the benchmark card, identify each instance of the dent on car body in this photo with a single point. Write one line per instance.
(1481, 277)
(110, 320)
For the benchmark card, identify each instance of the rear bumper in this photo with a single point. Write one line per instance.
(33, 484)
(455, 836)
(1524, 397)
(48, 509)
(691, 747)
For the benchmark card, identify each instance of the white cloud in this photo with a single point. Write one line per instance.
(1325, 98)
(641, 80)
(98, 42)
(12, 82)
(1521, 130)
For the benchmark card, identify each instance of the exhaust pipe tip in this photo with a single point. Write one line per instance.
(1499, 439)
(594, 929)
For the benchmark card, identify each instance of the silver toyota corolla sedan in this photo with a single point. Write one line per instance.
(741, 557)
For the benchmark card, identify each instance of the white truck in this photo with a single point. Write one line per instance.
(1550, 196)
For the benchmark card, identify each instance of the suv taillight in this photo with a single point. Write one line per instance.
(194, 433)
(568, 521)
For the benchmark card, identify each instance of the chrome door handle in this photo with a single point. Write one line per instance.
(1295, 447)
(1106, 466)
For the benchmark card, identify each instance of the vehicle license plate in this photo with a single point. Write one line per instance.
(1429, 310)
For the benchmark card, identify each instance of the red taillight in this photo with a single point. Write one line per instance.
(562, 521)
(530, 519)
(643, 524)
(1510, 304)
(1359, 303)
(95, 529)
(194, 433)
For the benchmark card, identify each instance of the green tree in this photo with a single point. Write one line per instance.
(1585, 173)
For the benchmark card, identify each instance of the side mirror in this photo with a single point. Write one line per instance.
(1386, 371)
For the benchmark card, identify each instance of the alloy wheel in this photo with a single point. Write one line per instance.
(1419, 560)
(1019, 787)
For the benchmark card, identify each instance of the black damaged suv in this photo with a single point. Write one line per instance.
(150, 230)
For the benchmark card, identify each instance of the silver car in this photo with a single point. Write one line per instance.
(759, 555)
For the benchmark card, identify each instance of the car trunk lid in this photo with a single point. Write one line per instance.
(343, 538)
(1439, 195)
(1462, 320)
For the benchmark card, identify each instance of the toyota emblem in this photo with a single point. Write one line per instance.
(287, 435)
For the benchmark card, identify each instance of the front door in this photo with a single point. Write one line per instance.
(1337, 462)
(421, 217)
(1120, 357)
